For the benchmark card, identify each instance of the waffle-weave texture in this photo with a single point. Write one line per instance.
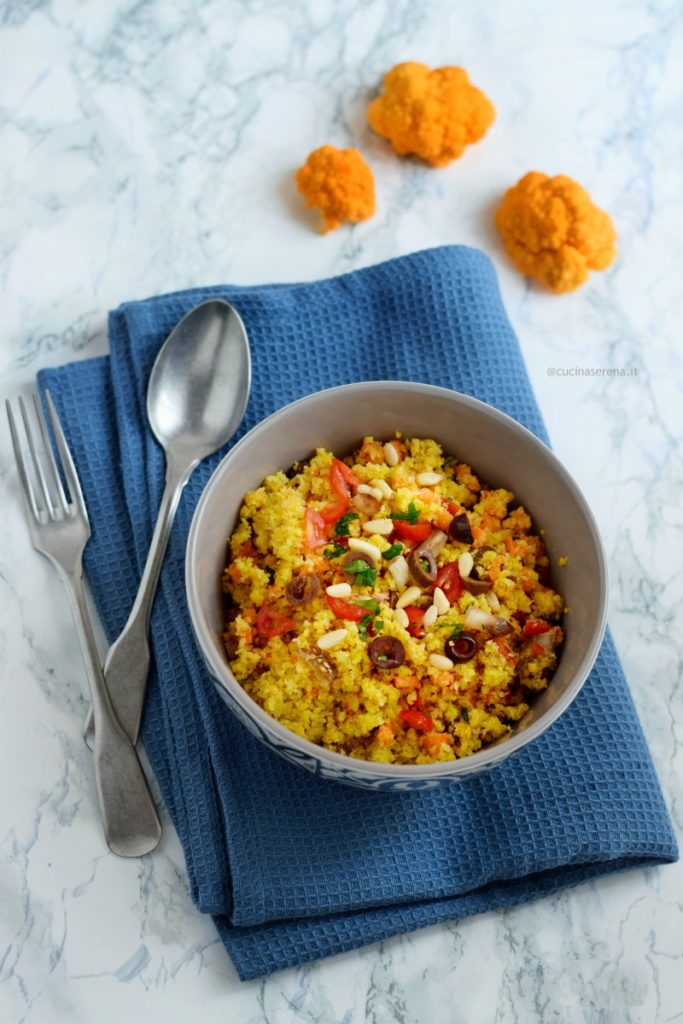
(294, 868)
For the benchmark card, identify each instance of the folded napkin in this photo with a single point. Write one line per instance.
(294, 868)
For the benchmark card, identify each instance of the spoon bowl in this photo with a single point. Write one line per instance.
(199, 385)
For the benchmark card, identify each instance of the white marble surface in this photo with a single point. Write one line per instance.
(147, 147)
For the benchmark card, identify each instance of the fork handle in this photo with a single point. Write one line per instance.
(127, 663)
(131, 824)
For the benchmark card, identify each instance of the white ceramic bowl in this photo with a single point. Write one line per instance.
(501, 452)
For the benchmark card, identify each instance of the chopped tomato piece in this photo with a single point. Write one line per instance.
(341, 481)
(418, 720)
(270, 623)
(534, 627)
(415, 617)
(340, 469)
(450, 581)
(416, 533)
(334, 511)
(314, 529)
(344, 610)
(505, 650)
(538, 650)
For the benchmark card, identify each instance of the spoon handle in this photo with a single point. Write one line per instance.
(127, 664)
(129, 818)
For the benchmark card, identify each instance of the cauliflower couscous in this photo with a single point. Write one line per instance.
(389, 605)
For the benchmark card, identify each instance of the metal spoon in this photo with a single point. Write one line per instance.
(197, 394)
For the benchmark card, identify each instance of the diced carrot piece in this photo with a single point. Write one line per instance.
(385, 734)
(495, 567)
(427, 495)
(442, 520)
(406, 682)
(433, 741)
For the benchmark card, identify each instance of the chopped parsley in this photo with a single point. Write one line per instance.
(365, 574)
(458, 631)
(393, 551)
(465, 715)
(411, 516)
(341, 527)
(335, 551)
(363, 626)
(373, 608)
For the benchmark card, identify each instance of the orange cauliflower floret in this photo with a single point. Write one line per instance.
(433, 114)
(339, 184)
(554, 232)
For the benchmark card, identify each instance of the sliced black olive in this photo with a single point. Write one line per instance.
(459, 529)
(434, 543)
(422, 565)
(461, 648)
(474, 584)
(231, 644)
(500, 627)
(355, 556)
(302, 588)
(297, 467)
(386, 652)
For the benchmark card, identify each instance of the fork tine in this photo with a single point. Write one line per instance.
(29, 493)
(37, 465)
(70, 474)
(50, 453)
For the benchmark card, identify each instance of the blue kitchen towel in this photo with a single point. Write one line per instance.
(294, 868)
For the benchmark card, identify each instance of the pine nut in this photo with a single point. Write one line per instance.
(441, 602)
(465, 564)
(339, 590)
(331, 639)
(429, 479)
(441, 662)
(390, 454)
(492, 599)
(367, 489)
(430, 616)
(383, 486)
(364, 546)
(401, 617)
(398, 567)
(408, 596)
(381, 526)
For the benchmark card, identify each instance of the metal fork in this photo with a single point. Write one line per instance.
(60, 529)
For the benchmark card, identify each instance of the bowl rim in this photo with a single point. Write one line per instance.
(488, 756)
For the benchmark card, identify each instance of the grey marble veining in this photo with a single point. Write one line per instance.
(146, 147)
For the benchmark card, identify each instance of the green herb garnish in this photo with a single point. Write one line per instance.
(363, 626)
(341, 527)
(365, 574)
(335, 551)
(411, 516)
(373, 608)
(458, 631)
(393, 551)
(465, 715)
